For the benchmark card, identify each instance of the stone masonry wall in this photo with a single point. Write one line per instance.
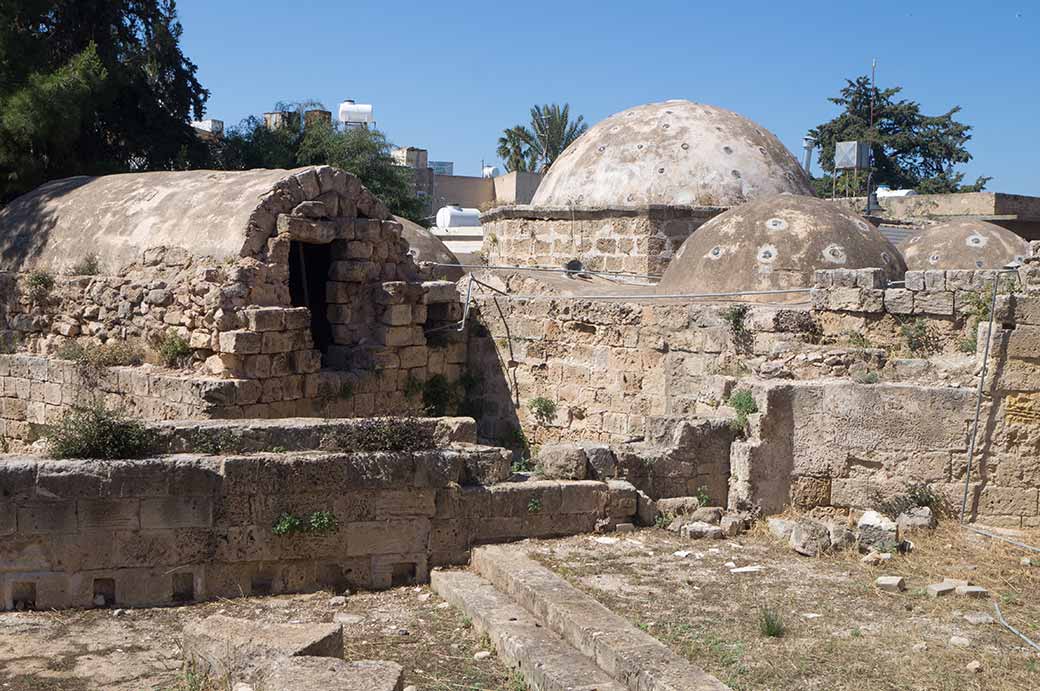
(192, 527)
(640, 241)
(826, 433)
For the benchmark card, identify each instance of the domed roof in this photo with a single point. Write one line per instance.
(427, 247)
(673, 153)
(964, 244)
(777, 243)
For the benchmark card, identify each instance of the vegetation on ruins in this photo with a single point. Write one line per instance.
(534, 147)
(38, 286)
(703, 498)
(98, 432)
(90, 265)
(315, 523)
(735, 317)
(866, 377)
(534, 506)
(918, 337)
(94, 88)
(543, 409)
(364, 152)
(101, 355)
(439, 396)
(173, 349)
(381, 434)
(911, 149)
(916, 495)
(743, 402)
(770, 623)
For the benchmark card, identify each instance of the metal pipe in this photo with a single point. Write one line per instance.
(655, 296)
(546, 269)
(1012, 629)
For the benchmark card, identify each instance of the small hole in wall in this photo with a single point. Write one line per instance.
(402, 574)
(104, 592)
(23, 595)
(260, 585)
(183, 587)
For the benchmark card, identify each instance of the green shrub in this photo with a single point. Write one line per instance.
(919, 340)
(90, 265)
(735, 317)
(744, 404)
(111, 354)
(857, 340)
(98, 432)
(534, 506)
(318, 522)
(703, 498)
(968, 345)
(770, 623)
(915, 495)
(543, 409)
(439, 396)
(39, 285)
(173, 349)
(382, 434)
(866, 378)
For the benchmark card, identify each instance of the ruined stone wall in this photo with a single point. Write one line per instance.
(862, 391)
(639, 241)
(193, 527)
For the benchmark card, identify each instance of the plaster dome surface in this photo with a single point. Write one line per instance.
(672, 153)
(424, 246)
(777, 243)
(964, 244)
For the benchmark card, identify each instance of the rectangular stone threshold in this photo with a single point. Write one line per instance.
(557, 636)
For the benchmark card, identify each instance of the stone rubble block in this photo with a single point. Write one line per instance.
(916, 519)
(877, 532)
(242, 649)
(940, 589)
(890, 584)
(699, 529)
(972, 591)
(563, 462)
(304, 673)
(809, 538)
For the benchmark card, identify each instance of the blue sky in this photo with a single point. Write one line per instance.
(449, 76)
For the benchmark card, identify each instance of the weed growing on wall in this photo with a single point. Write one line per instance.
(866, 378)
(173, 349)
(90, 265)
(98, 432)
(857, 340)
(744, 404)
(735, 317)
(439, 396)
(543, 409)
(918, 337)
(703, 498)
(38, 286)
(381, 434)
(534, 506)
(92, 359)
(914, 496)
(316, 523)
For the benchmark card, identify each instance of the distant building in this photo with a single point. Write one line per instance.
(442, 167)
(212, 130)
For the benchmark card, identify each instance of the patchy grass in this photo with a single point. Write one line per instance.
(98, 432)
(172, 349)
(839, 632)
(543, 409)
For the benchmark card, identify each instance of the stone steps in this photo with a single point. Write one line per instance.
(550, 630)
(546, 661)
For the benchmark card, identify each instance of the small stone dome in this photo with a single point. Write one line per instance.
(777, 243)
(672, 153)
(424, 246)
(964, 244)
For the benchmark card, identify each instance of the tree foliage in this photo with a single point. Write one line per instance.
(93, 87)
(911, 149)
(534, 147)
(358, 150)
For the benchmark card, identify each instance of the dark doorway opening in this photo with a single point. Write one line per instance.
(308, 272)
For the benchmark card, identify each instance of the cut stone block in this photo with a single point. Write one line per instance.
(241, 649)
(974, 591)
(329, 674)
(891, 584)
(940, 589)
(563, 462)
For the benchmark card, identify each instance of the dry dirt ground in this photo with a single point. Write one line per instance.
(139, 649)
(840, 632)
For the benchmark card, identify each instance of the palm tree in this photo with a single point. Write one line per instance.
(514, 148)
(553, 132)
(535, 148)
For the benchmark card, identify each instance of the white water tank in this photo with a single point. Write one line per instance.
(356, 114)
(884, 191)
(489, 172)
(458, 217)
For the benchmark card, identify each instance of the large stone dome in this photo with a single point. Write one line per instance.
(424, 246)
(964, 244)
(672, 153)
(777, 243)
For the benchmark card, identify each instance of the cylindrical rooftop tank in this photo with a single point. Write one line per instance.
(458, 217)
(356, 113)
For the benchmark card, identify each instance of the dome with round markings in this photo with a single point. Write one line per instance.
(672, 153)
(776, 243)
(964, 244)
